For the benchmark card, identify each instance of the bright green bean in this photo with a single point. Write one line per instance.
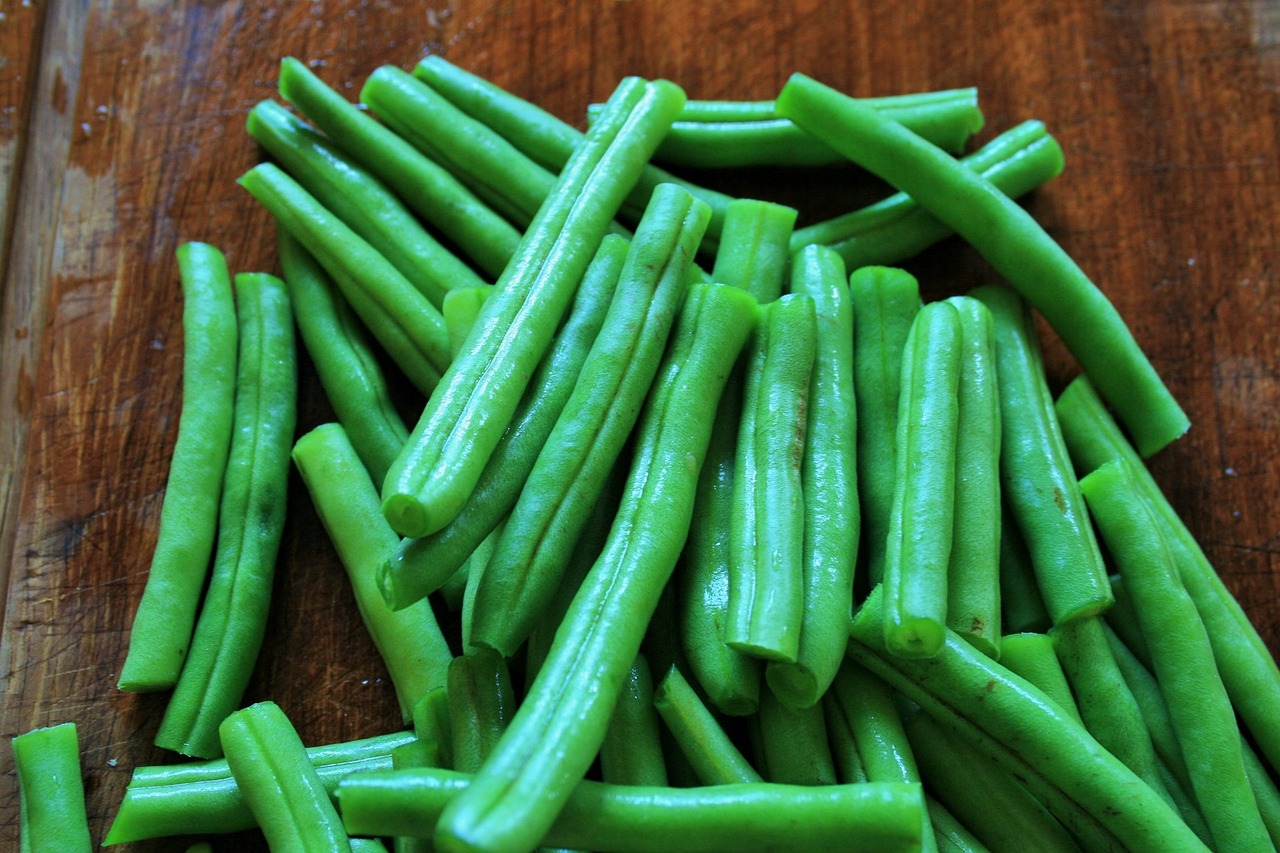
(1038, 480)
(166, 615)
(431, 722)
(344, 358)
(410, 640)
(453, 439)
(867, 705)
(714, 757)
(233, 618)
(844, 748)
(1030, 655)
(51, 807)
(631, 753)
(481, 701)
(1007, 236)
(569, 474)
(461, 308)
(558, 729)
(754, 248)
(427, 187)
(794, 747)
(746, 818)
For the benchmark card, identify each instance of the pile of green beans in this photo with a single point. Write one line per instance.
(779, 556)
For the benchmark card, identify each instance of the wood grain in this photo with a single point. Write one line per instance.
(131, 138)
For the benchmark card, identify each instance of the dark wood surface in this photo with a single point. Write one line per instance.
(122, 134)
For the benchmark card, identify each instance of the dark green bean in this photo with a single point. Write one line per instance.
(1022, 607)
(52, 817)
(844, 748)
(481, 702)
(631, 753)
(794, 746)
(949, 835)
(714, 757)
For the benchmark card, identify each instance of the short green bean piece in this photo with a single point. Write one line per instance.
(885, 303)
(233, 618)
(1037, 478)
(794, 744)
(51, 804)
(360, 200)
(1182, 657)
(921, 519)
(278, 781)
(632, 750)
(973, 570)
(482, 701)
(569, 475)
(345, 360)
(766, 532)
(202, 797)
(1010, 238)
(829, 482)
(747, 818)
(166, 615)
(425, 186)
(558, 729)
(754, 248)
(464, 420)
(713, 755)
(410, 641)
(867, 704)
(420, 566)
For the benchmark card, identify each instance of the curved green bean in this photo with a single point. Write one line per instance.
(51, 805)
(166, 614)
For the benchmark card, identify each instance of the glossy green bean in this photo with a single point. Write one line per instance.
(166, 614)
(844, 748)
(362, 201)
(829, 482)
(432, 723)
(427, 187)
(232, 619)
(419, 566)
(949, 835)
(1030, 655)
(754, 248)
(461, 308)
(558, 729)
(569, 475)
(344, 358)
(453, 439)
(714, 757)
(631, 753)
(867, 705)
(52, 816)
(794, 744)
(1011, 240)
(481, 702)
(409, 641)
(1038, 481)
(748, 818)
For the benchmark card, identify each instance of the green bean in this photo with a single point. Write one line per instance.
(740, 111)
(461, 309)
(201, 797)
(844, 747)
(344, 358)
(631, 753)
(829, 482)
(404, 322)
(921, 524)
(361, 201)
(867, 705)
(481, 702)
(1093, 793)
(748, 818)
(1022, 607)
(1011, 240)
(278, 782)
(1182, 657)
(754, 253)
(409, 641)
(166, 614)
(419, 566)
(568, 476)
(794, 743)
(461, 424)
(1038, 481)
(1264, 791)
(949, 834)
(558, 729)
(51, 805)
(232, 620)
(1016, 162)
(435, 195)
(431, 722)
(1030, 655)
(973, 570)
(714, 757)
(885, 303)
(1244, 662)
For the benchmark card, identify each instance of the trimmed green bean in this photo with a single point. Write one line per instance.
(1038, 481)
(867, 704)
(1181, 655)
(714, 757)
(1010, 238)
(558, 729)
(885, 303)
(362, 201)
(427, 187)
(278, 781)
(569, 475)
(747, 818)
(844, 747)
(431, 723)
(409, 641)
(344, 358)
(795, 749)
(754, 248)
(481, 701)
(1031, 655)
(461, 308)
(453, 439)
(232, 621)
(631, 753)
(51, 805)
(166, 614)
(921, 523)
(829, 482)
(419, 566)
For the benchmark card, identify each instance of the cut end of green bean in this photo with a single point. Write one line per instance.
(915, 638)
(408, 517)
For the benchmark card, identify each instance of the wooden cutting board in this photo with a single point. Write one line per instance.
(121, 135)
